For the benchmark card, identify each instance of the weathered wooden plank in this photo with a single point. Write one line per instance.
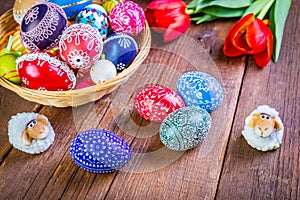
(248, 173)
(195, 173)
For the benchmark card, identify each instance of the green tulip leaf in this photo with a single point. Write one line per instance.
(278, 15)
(222, 12)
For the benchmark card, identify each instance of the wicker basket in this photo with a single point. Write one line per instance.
(78, 96)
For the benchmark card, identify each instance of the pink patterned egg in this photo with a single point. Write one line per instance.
(81, 46)
(127, 17)
(42, 26)
(154, 103)
(44, 71)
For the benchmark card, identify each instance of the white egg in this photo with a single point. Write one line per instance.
(102, 70)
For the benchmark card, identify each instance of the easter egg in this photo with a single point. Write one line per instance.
(184, 128)
(200, 89)
(72, 7)
(120, 49)
(154, 103)
(42, 26)
(99, 151)
(22, 6)
(8, 69)
(96, 16)
(102, 70)
(80, 46)
(127, 17)
(16, 43)
(108, 5)
(83, 84)
(44, 71)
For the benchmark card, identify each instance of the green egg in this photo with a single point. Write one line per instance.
(8, 68)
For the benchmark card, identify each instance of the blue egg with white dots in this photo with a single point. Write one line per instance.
(200, 89)
(96, 16)
(120, 49)
(99, 151)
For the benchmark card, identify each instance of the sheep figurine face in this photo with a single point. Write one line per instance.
(263, 129)
(264, 124)
(36, 129)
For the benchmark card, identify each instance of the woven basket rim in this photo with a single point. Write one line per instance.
(106, 87)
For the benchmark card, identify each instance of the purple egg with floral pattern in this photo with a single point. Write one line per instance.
(127, 17)
(42, 26)
(120, 49)
(99, 151)
(96, 16)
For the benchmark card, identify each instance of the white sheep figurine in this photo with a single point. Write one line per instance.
(263, 129)
(30, 132)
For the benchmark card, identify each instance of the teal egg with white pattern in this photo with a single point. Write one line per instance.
(96, 16)
(200, 89)
(185, 128)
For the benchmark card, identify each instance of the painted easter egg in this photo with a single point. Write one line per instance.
(99, 151)
(108, 5)
(16, 43)
(8, 69)
(83, 84)
(80, 46)
(102, 70)
(72, 7)
(44, 71)
(96, 16)
(22, 6)
(184, 128)
(154, 103)
(200, 89)
(120, 49)
(127, 17)
(42, 26)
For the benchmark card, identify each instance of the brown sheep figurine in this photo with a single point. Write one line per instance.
(263, 129)
(30, 132)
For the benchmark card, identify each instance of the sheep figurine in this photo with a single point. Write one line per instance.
(263, 129)
(30, 132)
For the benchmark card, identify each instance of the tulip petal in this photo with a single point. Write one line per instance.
(263, 58)
(174, 30)
(256, 36)
(229, 49)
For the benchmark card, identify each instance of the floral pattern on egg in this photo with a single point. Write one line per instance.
(184, 128)
(200, 89)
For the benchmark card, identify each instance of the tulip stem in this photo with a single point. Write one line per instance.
(264, 11)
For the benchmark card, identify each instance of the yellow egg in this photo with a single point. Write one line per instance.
(21, 6)
(16, 43)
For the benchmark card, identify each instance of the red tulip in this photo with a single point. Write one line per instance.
(168, 17)
(252, 36)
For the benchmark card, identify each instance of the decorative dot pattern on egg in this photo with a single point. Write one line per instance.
(120, 49)
(42, 26)
(200, 89)
(154, 103)
(102, 70)
(185, 128)
(127, 17)
(99, 151)
(72, 7)
(96, 16)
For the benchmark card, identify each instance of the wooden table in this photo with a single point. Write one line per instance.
(223, 166)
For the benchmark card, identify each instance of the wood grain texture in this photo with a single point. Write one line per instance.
(223, 166)
(251, 174)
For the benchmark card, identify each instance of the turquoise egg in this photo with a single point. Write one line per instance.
(184, 128)
(200, 89)
(96, 16)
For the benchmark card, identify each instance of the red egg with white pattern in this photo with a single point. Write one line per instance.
(81, 46)
(154, 103)
(127, 17)
(44, 71)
